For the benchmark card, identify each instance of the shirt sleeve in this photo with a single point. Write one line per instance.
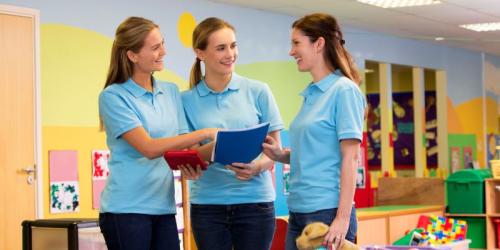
(269, 110)
(183, 126)
(117, 115)
(349, 114)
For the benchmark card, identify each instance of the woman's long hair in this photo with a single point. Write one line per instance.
(200, 41)
(130, 35)
(324, 25)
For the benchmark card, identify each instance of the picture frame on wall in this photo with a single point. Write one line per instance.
(455, 159)
(468, 159)
(361, 177)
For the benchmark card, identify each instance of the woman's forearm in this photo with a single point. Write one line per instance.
(350, 150)
(154, 148)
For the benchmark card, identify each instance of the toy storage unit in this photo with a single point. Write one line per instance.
(497, 232)
(459, 245)
(476, 230)
(465, 191)
(55, 234)
(493, 213)
(483, 230)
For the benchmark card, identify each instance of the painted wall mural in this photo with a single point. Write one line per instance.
(76, 38)
(403, 130)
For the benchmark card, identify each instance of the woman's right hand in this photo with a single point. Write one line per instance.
(272, 149)
(210, 133)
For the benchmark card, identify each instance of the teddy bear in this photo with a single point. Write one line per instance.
(313, 235)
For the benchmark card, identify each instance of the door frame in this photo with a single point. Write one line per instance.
(35, 14)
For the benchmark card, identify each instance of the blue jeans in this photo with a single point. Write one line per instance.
(139, 231)
(239, 227)
(297, 222)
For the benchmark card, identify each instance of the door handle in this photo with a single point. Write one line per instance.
(28, 170)
(31, 172)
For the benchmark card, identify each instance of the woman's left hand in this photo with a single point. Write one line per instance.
(190, 173)
(244, 171)
(336, 234)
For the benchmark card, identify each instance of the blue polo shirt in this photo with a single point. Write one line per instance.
(333, 110)
(137, 184)
(242, 104)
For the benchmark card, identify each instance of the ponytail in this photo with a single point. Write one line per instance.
(195, 76)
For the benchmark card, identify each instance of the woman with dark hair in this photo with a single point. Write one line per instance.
(142, 118)
(325, 135)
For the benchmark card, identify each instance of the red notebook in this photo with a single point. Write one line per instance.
(184, 157)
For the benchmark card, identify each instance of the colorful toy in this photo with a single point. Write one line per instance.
(434, 230)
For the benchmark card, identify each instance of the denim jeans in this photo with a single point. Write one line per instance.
(297, 222)
(239, 227)
(139, 231)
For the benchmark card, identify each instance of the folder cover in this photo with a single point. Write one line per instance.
(184, 157)
(239, 145)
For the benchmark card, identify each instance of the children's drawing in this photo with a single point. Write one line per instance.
(64, 197)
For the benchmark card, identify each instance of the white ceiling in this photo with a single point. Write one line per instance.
(422, 22)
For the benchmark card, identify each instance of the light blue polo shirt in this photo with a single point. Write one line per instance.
(244, 103)
(333, 110)
(137, 184)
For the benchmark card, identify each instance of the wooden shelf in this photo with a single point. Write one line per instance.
(464, 215)
(492, 198)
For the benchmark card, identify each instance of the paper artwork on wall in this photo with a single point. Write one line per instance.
(63, 165)
(455, 159)
(64, 197)
(286, 179)
(63, 176)
(100, 173)
(467, 153)
(361, 177)
(100, 170)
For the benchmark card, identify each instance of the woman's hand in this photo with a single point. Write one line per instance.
(191, 173)
(337, 232)
(245, 171)
(210, 133)
(273, 150)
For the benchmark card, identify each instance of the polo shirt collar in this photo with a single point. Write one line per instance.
(322, 85)
(136, 90)
(234, 84)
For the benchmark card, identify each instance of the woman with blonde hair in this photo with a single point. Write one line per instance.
(325, 135)
(232, 207)
(143, 118)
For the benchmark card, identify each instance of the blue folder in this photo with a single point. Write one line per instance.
(240, 145)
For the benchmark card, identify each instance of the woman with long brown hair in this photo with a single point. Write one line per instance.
(232, 207)
(143, 118)
(325, 135)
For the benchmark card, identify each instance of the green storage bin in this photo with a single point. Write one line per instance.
(465, 191)
(476, 231)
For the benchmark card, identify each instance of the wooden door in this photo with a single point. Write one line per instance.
(17, 125)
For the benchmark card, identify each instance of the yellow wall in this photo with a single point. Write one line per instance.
(470, 115)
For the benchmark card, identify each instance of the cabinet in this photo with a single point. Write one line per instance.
(390, 222)
(492, 205)
(492, 196)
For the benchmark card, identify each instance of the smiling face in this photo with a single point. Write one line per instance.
(305, 52)
(150, 56)
(221, 52)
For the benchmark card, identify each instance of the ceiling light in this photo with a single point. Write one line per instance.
(439, 38)
(482, 26)
(399, 3)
